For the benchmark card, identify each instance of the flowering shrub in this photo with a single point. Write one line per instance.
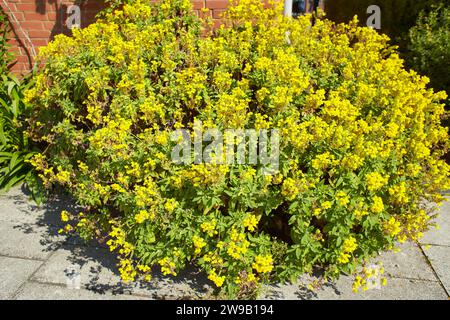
(360, 141)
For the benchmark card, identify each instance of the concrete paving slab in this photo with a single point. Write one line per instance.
(39, 291)
(440, 236)
(439, 257)
(16, 206)
(13, 273)
(27, 240)
(188, 284)
(94, 267)
(97, 272)
(396, 289)
(409, 263)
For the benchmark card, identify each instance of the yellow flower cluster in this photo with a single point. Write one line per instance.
(62, 176)
(218, 280)
(209, 227)
(416, 223)
(205, 174)
(170, 205)
(213, 259)
(377, 205)
(375, 181)
(167, 266)
(127, 271)
(143, 216)
(145, 194)
(326, 205)
(199, 243)
(322, 161)
(342, 198)
(251, 222)
(65, 216)
(348, 247)
(289, 189)
(392, 227)
(118, 241)
(399, 193)
(144, 269)
(263, 264)
(238, 245)
(246, 278)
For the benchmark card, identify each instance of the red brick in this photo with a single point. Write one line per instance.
(40, 42)
(39, 33)
(49, 24)
(34, 16)
(198, 4)
(217, 4)
(32, 25)
(51, 16)
(23, 58)
(26, 7)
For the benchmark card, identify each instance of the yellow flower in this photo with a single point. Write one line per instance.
(248, 174)
(143, 268)
(142, 216)
(322, 161)
(392, 227)
(343, 258)
(250, 222)
(375, 181)
(162, 138)
(65, 216)
(342, 198)
(127, 272)
(209, 227)
(349, 245)
(357, 283)
(377, 205)
(289, 189)
(167, 266)
(170, 205)
(326, 205)
(263, 264)
(83, 167)
(199, 243)
(218, 280)
(360, 213)
(238, 245)
(399, 193)
(62, 176)
(117, 188)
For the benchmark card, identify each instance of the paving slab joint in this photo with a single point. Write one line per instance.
(432, 268)
(14, 295)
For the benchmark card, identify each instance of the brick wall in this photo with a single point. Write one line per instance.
(35, 22)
